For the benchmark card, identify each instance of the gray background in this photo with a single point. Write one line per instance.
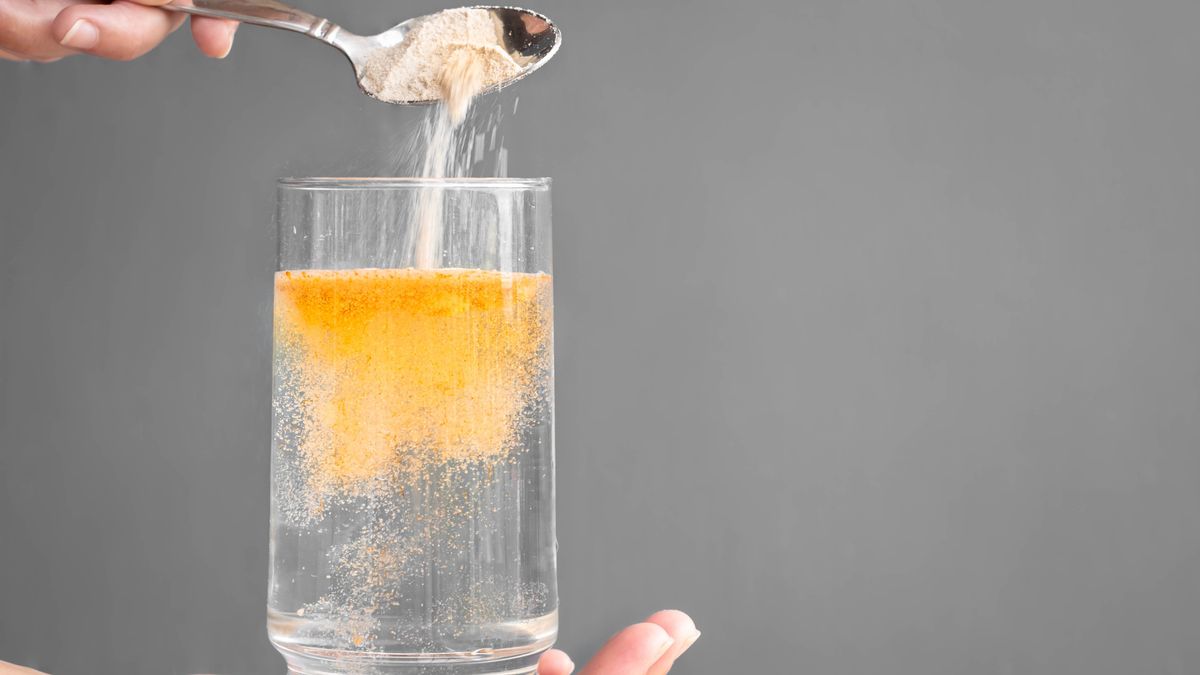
(878, 332)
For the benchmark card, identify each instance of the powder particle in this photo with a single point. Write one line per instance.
(385, 370)
(413, 70)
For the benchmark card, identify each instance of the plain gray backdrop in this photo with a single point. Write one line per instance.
(878, 332)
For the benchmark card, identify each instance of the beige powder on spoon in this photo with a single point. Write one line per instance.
(451, 55)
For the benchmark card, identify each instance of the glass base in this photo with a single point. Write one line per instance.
(327, 662)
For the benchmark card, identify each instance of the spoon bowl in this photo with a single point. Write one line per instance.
(528, 37)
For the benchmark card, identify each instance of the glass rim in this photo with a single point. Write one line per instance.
(352, 183)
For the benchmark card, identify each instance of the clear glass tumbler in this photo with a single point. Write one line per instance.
(412, 507)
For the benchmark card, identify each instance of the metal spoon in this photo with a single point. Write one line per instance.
(530, 38)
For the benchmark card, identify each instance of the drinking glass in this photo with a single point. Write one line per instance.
(412, 459)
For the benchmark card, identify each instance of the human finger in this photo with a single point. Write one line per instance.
(682, 630)
(25, 32)
(9, 56)
(121, 31)
(555, 662)
(214, 37)
(13, 669)
(631, 651)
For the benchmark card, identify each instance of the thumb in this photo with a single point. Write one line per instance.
(121, 31)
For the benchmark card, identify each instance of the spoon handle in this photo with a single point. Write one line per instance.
(260, 12)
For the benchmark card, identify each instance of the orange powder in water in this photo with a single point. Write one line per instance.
(389, 369)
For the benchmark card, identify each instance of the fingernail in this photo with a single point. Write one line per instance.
(666, 646)
(83, 35)
(232, 33)
(570, 666)
(689, 641)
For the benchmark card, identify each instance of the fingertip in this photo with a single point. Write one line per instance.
(647, 637)
(555, 662)
(214, 37)
(682, 629)
(121, 31)
(633, 650)
(677, 624)
(72, 28)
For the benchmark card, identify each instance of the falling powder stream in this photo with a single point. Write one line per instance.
(449, 57)
(463, 76)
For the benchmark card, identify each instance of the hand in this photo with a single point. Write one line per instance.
(648, 648)
(10, 669)
(48, 30)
